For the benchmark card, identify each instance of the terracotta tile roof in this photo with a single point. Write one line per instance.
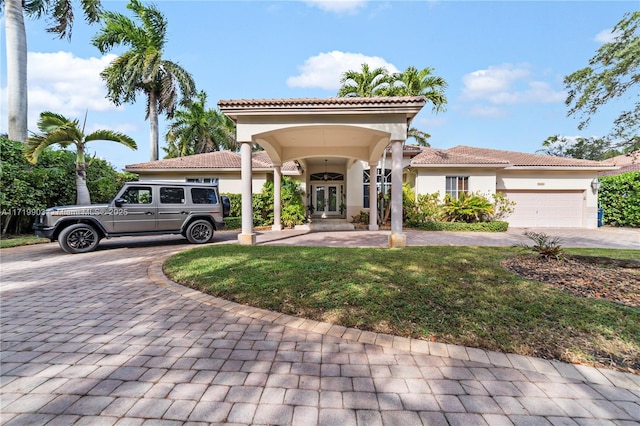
(624, 159)
(211, 160)
(446, 157)
(310, 102)
(478, 156)
(624, 169)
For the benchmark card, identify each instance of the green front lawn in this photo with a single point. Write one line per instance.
(458, 295)
(20, 240)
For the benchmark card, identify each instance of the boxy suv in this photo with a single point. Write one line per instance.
(140, 208)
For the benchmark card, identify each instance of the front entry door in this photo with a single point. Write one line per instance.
(326, 199)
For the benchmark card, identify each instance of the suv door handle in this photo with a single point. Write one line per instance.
(184, 212)
(149, 213)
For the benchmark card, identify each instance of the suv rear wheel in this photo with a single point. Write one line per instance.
(199, 232)
(79, 238)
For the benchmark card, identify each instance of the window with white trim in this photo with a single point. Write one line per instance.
(383, 183)
(203, 180)
(457, 185)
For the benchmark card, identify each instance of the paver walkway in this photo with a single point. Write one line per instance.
(104, 338)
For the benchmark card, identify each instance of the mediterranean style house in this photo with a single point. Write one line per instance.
(334, 146)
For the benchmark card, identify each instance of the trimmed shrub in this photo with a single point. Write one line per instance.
(497, 226)
(619, 197)
(233, 222)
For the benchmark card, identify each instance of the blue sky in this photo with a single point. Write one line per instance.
(504, 62)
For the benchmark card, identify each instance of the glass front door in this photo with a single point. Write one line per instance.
(326, 200)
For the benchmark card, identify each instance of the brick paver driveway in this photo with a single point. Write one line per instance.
(102, 338)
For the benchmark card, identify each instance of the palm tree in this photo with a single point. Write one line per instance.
(57, 129)
(142, 69)
(412, 82)
(61, 13)
(366, 83)
(196, 129)
(420, 136)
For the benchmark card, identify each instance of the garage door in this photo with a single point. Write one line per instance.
(546, 209)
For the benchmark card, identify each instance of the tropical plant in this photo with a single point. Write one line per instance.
(502, 206)
(611, 74)
(61, 14)
(366, 83)
(412, 82)
(291, 196)
(142, 68)
(58, 130)
(379, 82)
(420, 137)
(196, 129)
(468, 208)
(545, 246)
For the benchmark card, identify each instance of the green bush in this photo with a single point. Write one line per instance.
(236, 204)
(619, 197)
(497, 226)
(362, 217)
(233, 222)
(30, 188)
(293, 212)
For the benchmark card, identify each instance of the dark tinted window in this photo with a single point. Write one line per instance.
(171, 195)
(138, 195)
(204, 196)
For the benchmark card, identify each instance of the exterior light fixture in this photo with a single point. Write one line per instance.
(326, 173)
(595, 184)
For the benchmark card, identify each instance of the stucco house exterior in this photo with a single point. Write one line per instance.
(334, 146)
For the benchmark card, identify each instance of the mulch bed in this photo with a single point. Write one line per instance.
(585, 276)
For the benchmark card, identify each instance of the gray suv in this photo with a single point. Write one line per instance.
(140, 208)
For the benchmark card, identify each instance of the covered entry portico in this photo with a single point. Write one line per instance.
(316, 131)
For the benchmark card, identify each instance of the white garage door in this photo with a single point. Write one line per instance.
(546, 209)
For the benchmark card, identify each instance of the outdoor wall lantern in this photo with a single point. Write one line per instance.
(595, 184)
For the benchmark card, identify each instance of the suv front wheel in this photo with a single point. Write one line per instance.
(199, 232)
(79, 238)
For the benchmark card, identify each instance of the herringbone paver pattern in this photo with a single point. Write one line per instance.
(102, 338)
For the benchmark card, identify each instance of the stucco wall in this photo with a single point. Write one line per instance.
(431, 180)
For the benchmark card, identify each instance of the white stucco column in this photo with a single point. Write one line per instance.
(247, 237)
(373, 197)
(397, 238)
(277, 201)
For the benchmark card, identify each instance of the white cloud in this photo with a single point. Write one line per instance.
(325, 69)
(493, 80)
(507, 84)
(606, 36)
(65, 84)
(338, 6)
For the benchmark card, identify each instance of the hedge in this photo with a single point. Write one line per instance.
(619, 198)
(496, 226)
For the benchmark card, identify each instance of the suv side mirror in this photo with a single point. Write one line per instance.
(119, 202)
(226, 205)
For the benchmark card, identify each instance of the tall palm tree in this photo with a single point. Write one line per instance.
(57, 129)
(196, 129)
(61, 13)
(365, 83)
(141, 68)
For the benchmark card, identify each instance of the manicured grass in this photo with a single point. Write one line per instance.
(457, 295)
(21, 240)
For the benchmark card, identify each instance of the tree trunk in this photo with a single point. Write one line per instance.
(16, 44)
(83, 198)
(153, 123)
